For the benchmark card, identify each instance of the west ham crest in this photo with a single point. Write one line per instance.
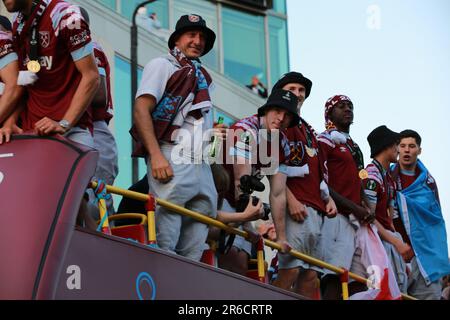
(193, 18)
(44, 38)
(297, 152)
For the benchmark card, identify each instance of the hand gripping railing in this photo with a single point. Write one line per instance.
(212, 222)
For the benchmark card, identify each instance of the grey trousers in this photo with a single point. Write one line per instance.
(191, 187)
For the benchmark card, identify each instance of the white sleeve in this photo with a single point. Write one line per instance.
(297, 171)
(324, 191)
(154, 78)
(212, 88)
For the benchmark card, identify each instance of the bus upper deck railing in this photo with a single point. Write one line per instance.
(213, 222)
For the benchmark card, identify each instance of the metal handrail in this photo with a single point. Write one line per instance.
(213, 222)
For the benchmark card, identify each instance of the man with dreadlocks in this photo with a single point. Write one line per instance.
(345, 165)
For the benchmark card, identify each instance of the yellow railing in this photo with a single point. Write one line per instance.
(212, 222)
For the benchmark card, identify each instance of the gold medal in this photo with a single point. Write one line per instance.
(311, 152)
(33, 66)
(363, 174)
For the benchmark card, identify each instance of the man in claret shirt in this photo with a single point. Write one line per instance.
(419, 219)
(345, 168)
(379, 187)
(9, 91)
(307, 197)
(53, 40)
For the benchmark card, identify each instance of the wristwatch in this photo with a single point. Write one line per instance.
(64, 124)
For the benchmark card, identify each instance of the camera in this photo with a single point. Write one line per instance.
(247, 186)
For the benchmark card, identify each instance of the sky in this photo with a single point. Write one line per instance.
(391, 57)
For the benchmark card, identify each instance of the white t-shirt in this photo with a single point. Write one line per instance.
(193, 135)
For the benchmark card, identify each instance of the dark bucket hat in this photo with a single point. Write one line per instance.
(282, 99)
(380, 138)
(190, 22)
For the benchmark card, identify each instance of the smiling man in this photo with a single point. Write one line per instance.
(172, 111)
(419, 219)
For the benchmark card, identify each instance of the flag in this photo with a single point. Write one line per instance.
(382, 284)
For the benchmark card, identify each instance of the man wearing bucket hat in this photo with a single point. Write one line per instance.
(307, 197)
(345, 168)
(172, 111)
(258, 148)
(379, 188)
(246, 155)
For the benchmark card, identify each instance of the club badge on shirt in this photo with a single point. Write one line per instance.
(371, 185)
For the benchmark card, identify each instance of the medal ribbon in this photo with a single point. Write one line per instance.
(383, 175)
(37, 10)
(356, 154)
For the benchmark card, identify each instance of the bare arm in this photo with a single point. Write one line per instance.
(86, 89)
(12, 91)
(80, 101)
(10, 126)
(296, 209)
(277, 198)
(143, 107)
(403, 248)
(359, 211)
(251, 213)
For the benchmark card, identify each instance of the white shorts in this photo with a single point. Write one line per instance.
(339, 243)
(305, 237)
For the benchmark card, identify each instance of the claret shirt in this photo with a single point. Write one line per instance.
(106, 113)
(304, 150)
(341, 168)
(379, 188)
(248, 143)
(64, 37)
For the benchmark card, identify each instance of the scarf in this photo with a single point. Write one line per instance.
(374, 258)
(23, 25)
(312, 142)
(186, 93)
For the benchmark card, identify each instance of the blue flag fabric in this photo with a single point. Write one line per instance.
(421, 214)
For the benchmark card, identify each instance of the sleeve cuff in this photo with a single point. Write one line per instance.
(10, 57)
(82, 52)
(234, 152)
